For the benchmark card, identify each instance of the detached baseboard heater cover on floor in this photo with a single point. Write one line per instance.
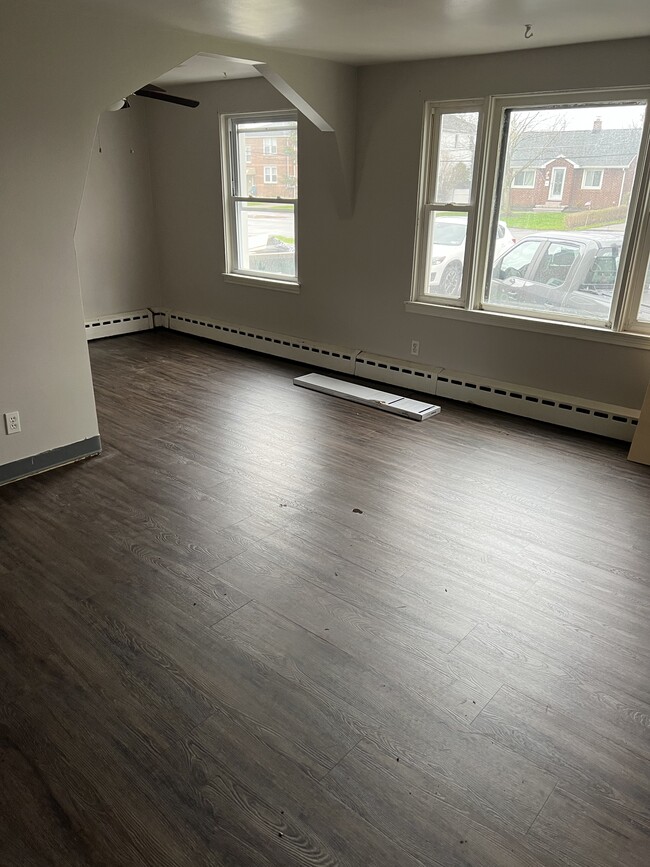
(395, 403)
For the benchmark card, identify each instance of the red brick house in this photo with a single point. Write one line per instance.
(271, 164)
(573, 169)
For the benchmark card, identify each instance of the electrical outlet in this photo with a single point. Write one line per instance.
(415, 347)
(12, 422)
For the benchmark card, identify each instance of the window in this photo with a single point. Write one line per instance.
(249, 154)
(524, 180)
(270, 146)
(260, 213)
(592, 179)
(555, 252)
(448, 218)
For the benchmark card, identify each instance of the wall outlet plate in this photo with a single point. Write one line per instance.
(415, 347)
(12, 422)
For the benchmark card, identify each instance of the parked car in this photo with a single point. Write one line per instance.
(562, 272)
(448, 252)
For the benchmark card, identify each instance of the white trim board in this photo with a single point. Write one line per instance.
(395, 403)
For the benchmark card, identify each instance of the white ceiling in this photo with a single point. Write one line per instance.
(368, 31)
(207, 67)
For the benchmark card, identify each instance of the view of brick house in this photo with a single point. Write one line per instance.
(573, 169)
(271, 164)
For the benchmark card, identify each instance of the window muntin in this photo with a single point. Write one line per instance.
(261, 198)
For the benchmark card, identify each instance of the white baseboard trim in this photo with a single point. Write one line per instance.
(119, 323)
(565, 410)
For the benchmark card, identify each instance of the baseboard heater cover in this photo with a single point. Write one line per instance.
(119, 323)
(395, 403)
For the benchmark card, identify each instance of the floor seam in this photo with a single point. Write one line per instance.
(555, 785)
(343, 757)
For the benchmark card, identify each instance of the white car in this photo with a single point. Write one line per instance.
(448, 253)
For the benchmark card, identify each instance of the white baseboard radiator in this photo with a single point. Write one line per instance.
(119, 323)
(560, 409)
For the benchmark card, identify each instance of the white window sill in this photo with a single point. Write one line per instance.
(262, 282)
(523, 323)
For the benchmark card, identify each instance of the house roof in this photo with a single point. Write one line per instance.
(454, 123)
(585, 148)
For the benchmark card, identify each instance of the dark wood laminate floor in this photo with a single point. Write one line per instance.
(209, 657)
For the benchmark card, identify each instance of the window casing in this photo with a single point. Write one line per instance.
(598, 286)
(261, 200)
(524, 180)
(592, 179)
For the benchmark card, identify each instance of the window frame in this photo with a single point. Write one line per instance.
(272, 172)
(532, 186)
(427, 206)
(622, 326)
(585, 172)
(229, 174)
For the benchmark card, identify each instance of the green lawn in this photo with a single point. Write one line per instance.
(535, 220)
(555, 220)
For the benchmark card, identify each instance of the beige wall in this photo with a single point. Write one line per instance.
(61, 64)
(356, 271)
(116, 251)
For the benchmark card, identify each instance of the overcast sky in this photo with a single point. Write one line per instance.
(612, 116)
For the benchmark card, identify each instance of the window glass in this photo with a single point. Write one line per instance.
(585, 159)
(262, 205)
(592, 179)
(266, 239)
(524, 179)
(455, 164)
(447, 233)
(449, 209)
(556, 263)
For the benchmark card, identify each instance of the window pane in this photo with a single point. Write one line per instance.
(566, 181)
(267, 159)
(446, 247)
(266, 238)
(456, 157)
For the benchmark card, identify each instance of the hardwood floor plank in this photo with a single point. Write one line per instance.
(414, 805)
(587, 836)
(288, 814)
(197, 659)
(391, 717)
(395, 644)
(594, 768)
(294, 631)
